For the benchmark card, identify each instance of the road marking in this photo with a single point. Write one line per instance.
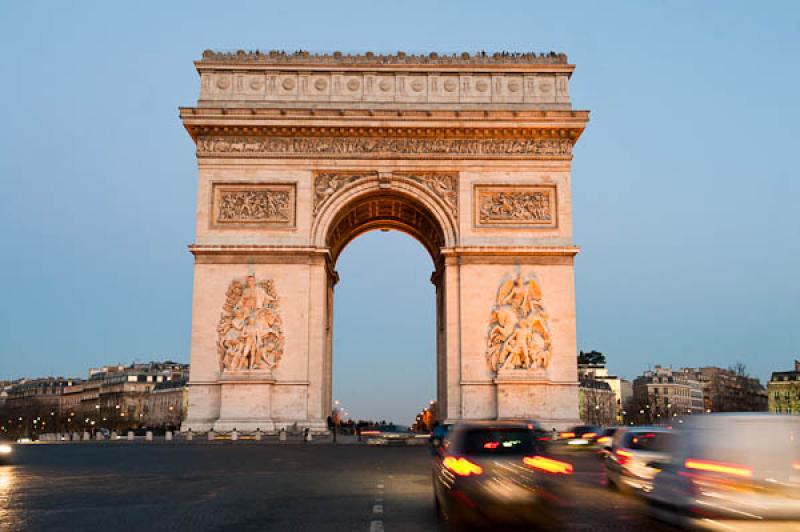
(377, 509)
(376, 526)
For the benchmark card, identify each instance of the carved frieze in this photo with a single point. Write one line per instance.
(253, 204)
(383, 147)
(249, 334)
(518, 336)
(515, 206)
(443, 185)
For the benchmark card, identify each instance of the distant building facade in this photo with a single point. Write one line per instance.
(597, 403)
(662, 394)
(725, 390)
(783, 391)
(149, 395)
(620, 388)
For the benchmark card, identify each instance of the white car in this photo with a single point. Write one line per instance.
(631, 453)
(731, 472)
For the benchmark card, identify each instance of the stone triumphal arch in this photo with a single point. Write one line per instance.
(298, 154)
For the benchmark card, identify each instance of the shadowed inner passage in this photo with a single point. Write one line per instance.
(386, 211)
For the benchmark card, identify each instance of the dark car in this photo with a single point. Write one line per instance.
(581, 437)
(496, 471)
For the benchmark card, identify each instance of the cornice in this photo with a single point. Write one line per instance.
(528, 251)
(450, 124)
(302, 60)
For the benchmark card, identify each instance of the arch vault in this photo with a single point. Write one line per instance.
(299, 154)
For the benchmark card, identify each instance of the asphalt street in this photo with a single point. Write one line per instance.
(242, 486)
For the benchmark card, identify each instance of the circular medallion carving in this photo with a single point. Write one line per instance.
(385, 85)
(545, 87)
(417, 85)
(353, 84)
(255, 84)
(288, 84)
(482, 85)
(223, 83)
(450, 85)
(321, 84)
(514, 85)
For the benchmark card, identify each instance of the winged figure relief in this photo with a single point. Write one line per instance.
(519, 334)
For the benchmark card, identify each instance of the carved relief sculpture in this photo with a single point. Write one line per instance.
(515, 205)
(381, 146)
(325, 185)
(249, 330)
(519, 333)
(443, 185)
(253, 204)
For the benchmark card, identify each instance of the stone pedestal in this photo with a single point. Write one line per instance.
(530, 394)
(246, 401)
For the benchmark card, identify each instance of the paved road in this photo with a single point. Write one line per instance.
(246, 486)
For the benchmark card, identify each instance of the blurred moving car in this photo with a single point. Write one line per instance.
(581, 437)
(6, 451)
(604, 441)
(629, 458)
(496, 471)
(732, 471)
(387, 435)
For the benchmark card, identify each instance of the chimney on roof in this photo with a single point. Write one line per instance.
(797, 365)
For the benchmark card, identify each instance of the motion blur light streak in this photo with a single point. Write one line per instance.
(623, 456)
(717, 467)
(548, 464)
(462, 467)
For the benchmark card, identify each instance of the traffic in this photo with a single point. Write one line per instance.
(715, 472)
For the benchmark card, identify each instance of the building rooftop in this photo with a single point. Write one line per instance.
(303, 57)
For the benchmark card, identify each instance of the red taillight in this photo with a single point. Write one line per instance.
(590, 435)
(370, 433)
(543, 438)
(462, 467)
(623, 456)
(567, 435)
(604, 440)
(549, 465)
(718, 467)
(491, 445)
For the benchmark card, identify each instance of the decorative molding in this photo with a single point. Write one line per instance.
(245, 205)
(515, 206)
(381, 147)
(518, 336)
(444, 185)
(281, 57)
(249, 335)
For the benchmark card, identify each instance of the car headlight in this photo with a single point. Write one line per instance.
(5, 449)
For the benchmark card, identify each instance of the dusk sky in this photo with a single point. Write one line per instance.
(686, 194)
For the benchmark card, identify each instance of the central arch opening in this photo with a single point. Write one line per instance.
(385, 336)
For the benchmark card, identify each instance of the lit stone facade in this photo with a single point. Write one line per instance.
(300, 154)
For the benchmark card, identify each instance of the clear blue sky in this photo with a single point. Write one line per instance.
(685, 184)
